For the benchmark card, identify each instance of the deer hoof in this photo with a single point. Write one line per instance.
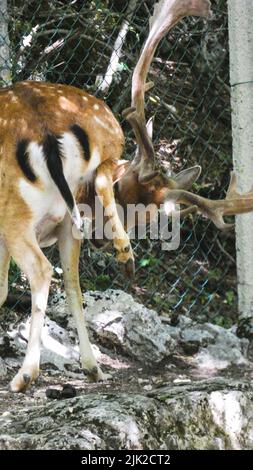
(20, 383)
(125, 259)
(96, 375)
(27, 378)
(22, 380)
(127, 269)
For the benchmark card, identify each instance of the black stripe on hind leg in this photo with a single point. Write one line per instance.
(53, 158)
(22, 156)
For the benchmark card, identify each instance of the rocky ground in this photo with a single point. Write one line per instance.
(177, 384)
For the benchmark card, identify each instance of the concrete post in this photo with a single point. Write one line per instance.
(240, 14)
(5, 75)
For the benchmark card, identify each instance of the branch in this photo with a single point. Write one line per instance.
(104, 85)
(222, 249)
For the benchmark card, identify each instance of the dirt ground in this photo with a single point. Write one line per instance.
(132, 379)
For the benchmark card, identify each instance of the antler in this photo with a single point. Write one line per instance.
(167, 13)
(233, 204)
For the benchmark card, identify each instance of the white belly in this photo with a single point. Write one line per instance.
(48, 207)
(45, 229)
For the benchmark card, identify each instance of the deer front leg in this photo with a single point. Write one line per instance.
(69, 249)
(34, 264)
(104, 189)
(4, 268)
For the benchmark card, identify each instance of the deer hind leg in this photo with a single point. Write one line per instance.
(4, 268)
(35, 265)
(69, 249)
(104, 189)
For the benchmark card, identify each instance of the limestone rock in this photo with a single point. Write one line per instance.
(211, 414)
(3, 369)
(154, 403)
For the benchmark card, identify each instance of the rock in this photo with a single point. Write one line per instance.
(245, 327)
(147, 387)
(194, 336)
(116, 320)
(154, 403)
(57, 309)
(182, 380)
(224, 350)
(136, 330)
(57, 348)
(209, 414)
(3, 369)
(8, 348)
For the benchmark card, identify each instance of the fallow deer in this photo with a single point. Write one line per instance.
(53, 139)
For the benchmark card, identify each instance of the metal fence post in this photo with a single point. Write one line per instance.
(241, 78)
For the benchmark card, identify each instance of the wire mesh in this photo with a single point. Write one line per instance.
(72, 43)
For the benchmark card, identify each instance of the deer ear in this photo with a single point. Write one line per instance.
(120, 170)
(186, 178)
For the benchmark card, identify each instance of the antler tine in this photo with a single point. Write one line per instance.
(166, 15)
(144, 143)
(215, 210)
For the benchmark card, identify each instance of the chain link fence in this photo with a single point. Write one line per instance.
(95, 45)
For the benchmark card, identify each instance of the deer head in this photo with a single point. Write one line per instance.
(144, 180)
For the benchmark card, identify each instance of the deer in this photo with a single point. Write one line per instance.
(54, 141)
